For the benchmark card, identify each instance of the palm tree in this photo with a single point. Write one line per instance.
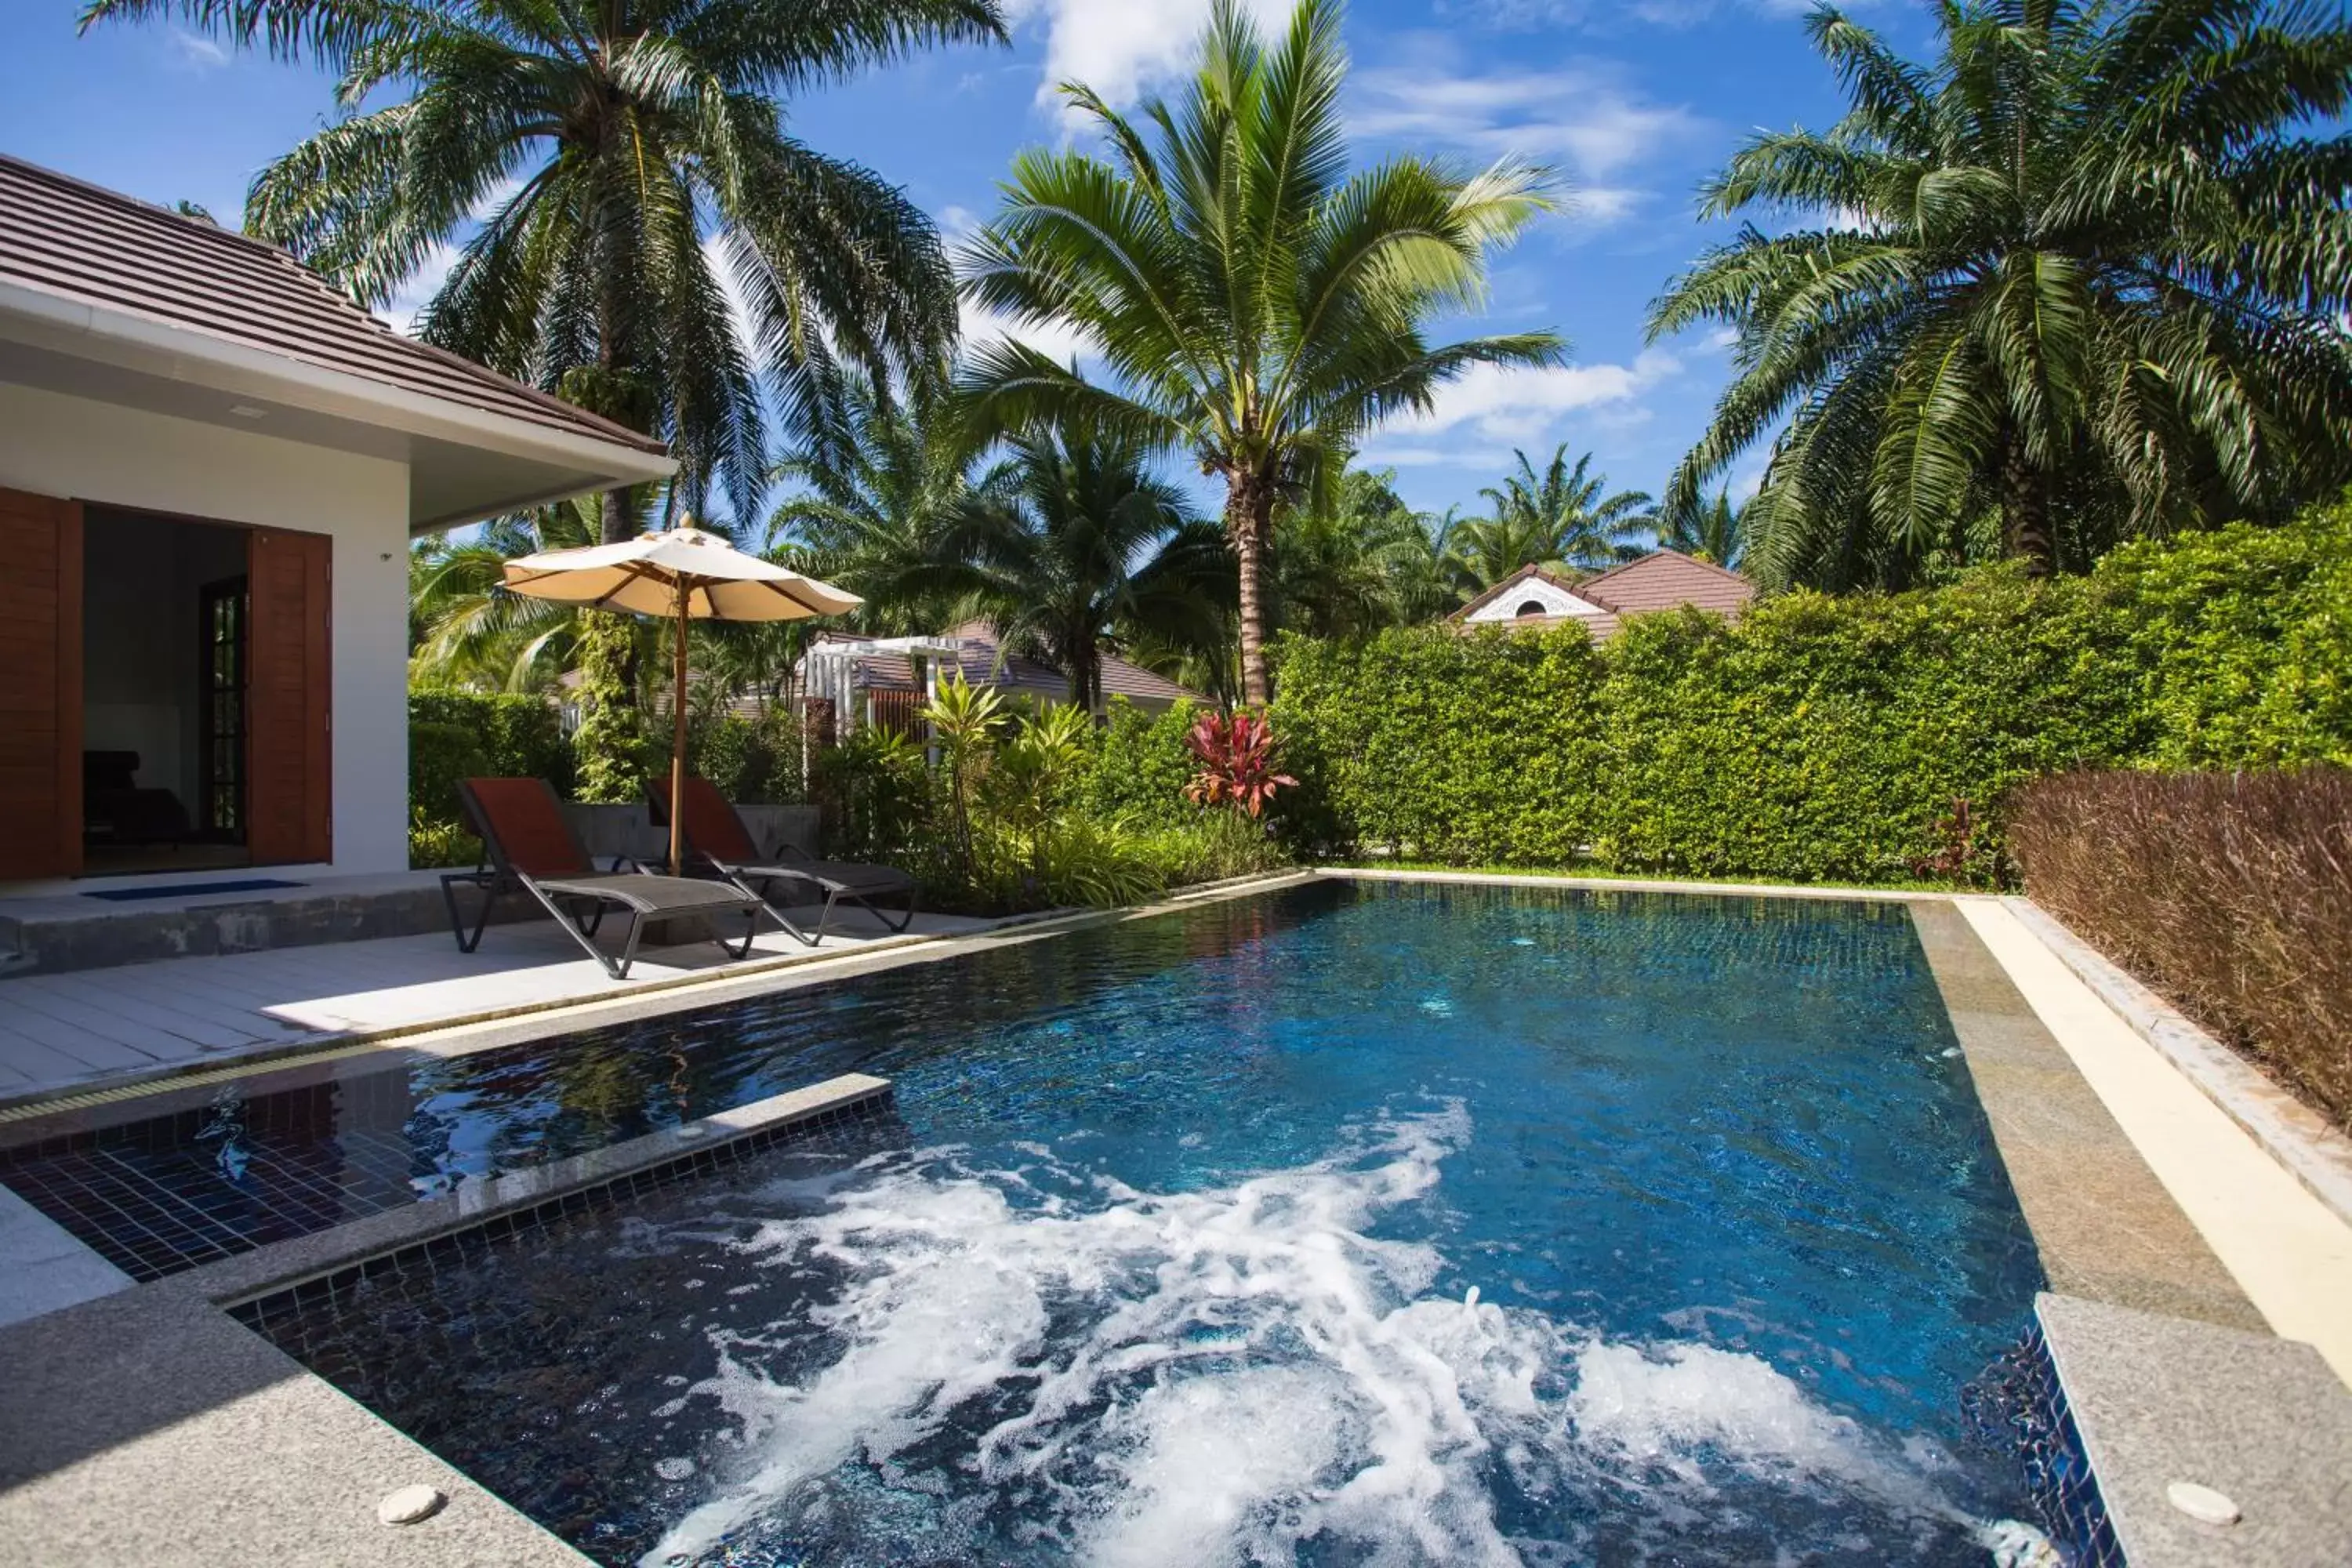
(879, 486)
(1713, 529)
(1351, 558)
(2087, 270)
(1557, 517)
(464, 629)
(1082, 549)
(601, 163)
(1255, 304)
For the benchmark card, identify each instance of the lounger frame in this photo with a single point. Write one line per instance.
(495, 876)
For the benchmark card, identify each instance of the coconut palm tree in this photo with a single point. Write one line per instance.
(1558, 518)
(2086, 271)
(1713, 529)
(464, 629)
(601, 166)
(1254, 303)
(875, 491)
(1352, 558)
(1082, 551)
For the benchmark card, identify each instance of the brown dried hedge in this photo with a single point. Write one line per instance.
(2231, 893)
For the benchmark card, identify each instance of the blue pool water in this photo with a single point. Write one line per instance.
(1362, 1224)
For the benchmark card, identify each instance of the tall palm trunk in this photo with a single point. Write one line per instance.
(1249, 514)
(2025, 510)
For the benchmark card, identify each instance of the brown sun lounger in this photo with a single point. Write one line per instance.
(717, 839)
(529, 846)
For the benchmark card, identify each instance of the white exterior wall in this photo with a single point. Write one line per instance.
(1535, 590)
(97, 452)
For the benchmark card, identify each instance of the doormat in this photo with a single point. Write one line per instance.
(183, 890)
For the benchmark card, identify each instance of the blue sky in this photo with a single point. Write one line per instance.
(1631, 100)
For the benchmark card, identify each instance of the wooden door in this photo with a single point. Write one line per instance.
(288, 789)
(40, 686)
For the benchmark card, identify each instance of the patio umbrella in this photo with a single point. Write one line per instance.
(681, 574)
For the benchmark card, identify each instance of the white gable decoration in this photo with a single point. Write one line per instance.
(1532, 597)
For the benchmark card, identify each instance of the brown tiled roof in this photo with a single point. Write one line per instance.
(1565, 584)
(80, 242)
(1664, 579)
(977, 663)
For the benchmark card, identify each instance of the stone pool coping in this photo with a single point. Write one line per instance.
(2298, 1137)
(150, 1426)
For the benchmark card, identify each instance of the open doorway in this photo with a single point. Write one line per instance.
(165, 662)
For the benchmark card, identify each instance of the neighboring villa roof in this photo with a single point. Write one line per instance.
(107, 298)
(978, 662)
(1662, 580)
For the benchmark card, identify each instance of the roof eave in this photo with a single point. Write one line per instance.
(139, 343)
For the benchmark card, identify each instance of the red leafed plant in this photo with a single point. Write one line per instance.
(1237, 762)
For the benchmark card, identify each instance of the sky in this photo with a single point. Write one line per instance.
(1631, 103)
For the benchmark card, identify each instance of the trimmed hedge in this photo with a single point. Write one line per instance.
(1138, 766)
(519, 736)
(1821, 738)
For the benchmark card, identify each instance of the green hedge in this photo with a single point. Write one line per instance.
(519, 736)
(1820, 738)
(1138, 768)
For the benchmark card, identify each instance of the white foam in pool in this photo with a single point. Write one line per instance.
(1215, 1376)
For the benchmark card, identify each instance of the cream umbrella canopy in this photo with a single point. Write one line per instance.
(679, 575)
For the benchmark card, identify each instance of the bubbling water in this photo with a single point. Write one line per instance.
(1034, 1362)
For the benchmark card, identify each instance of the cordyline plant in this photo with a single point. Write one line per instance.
(1237, 762)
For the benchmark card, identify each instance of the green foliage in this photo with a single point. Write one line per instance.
(751, 760)
(2084, 272)
(435, 842)
(439, 754)
(1821, 738)
(519, 736)
(609, 746)
(1137, 768)
(1054, 810)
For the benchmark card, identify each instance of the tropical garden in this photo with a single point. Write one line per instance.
(2042, 346)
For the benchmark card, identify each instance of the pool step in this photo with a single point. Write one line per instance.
(2164, 1406)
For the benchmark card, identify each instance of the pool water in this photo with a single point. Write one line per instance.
(1359, 1224)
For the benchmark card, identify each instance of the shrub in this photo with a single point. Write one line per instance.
(1138, 766)
(1821, 738)
(521, 736)
(751, 760)
(436, 842)
(2230, 893)
(438, 756)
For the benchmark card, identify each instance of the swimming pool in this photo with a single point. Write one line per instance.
(1362, 1223)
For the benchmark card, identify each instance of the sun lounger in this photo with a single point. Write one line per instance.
(529, 846)
(717, 839)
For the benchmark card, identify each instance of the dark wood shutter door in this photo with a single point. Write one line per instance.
(289, 790)
(40, 686)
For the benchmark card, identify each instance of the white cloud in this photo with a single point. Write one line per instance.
(1058, 343)
(1122, 48)
(1501, 407)
(1578, 119)
(196, 52)
(406, 306)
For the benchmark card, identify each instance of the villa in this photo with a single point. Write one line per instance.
(1535, 597)
(884, 680)
(211, 464)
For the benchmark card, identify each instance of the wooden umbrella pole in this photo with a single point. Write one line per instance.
(678, 745)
